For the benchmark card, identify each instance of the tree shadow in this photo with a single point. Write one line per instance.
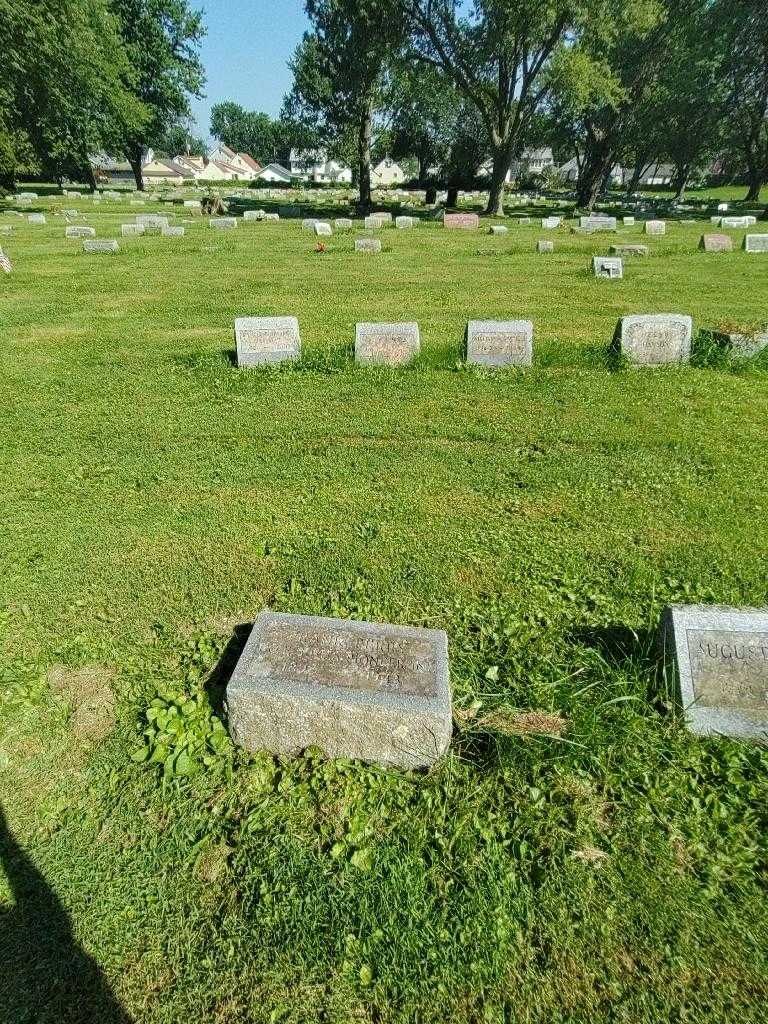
(622, 646)
(45, 976)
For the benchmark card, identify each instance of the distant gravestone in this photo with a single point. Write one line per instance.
(266, 339)
(272, 217)
(387, 344)
(363, 690)
(28, 195)
(373, 223)
(743, 345)
(735, 222)
(655, 227)
(598, 223)
(723, 207)
(249, 215)
(172, 232)
(465, 221)
(550, 223)
(36, 218)
(343, 224)
(629, 222)
(72, 214)
(308, 224)
(544, 246)
(716, 243)
(222, 223)
(367, 245)
(610, 267)
(655, 340)
(132, 230)
(756, 243)
(79, 232)
(404, 223)
(498, 229)
(104, 245)
(500, 342)
(323, 229)
(524, 221)
(151, 220)
(718, 658)
(629, 250)
(191, 204)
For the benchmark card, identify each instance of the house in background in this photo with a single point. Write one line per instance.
(243, 166)
(160, 172)
(531, 161)
(314, 165)
(387, 172)
(111, 170)
(275, 172)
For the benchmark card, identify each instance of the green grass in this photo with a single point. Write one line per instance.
(594, 864)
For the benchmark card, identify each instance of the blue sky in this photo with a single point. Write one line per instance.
(245, 53)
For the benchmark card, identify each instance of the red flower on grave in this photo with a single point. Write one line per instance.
(320, 247)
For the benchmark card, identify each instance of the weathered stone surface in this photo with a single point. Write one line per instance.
(323, 228)
(151, 220)
(545, 246)
(130, 230)
(465, 221)
(172, 232)
(743, 345)
(79, 232)
(343, 224)
(550, 223)
(716, 243)
(384, 216)
(101, 245)
(655, 227)
(374, 222)
(610, 267)
(735, 222)
(72, 214)
(756, 243)
(718, 658)
(363, 690)
(266, 339)
(36, 218)
(629, 250)
(404, 223)
(308, 224)
(388, 344)
(223, 223)
(598, 223)
(655, 340)
(500, 342)
(498, 229)
(367, 245)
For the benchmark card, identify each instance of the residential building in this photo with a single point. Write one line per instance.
(275, 172)
(314, 165)
(387, 172)
(159, 172)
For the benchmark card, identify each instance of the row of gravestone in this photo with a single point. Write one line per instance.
(643, 340)
(381, 693)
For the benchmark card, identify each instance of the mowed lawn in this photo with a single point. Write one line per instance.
(578, 856)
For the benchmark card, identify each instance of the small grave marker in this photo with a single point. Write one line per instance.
(629, 250)
(36, 218)
(266, 339)
(655, 227)
(172, 232)
(610, 267)
(461, 221)
(131, 230)
(544, 246)
(595, 223)
(367, 245)
(498, 229)
(323, 229)
(79, 232)
(550, 223)
(756, 243)
(387, 344)
(404, 223)
(222, 223)
(500, 342)
(716, 243)
(102, 245)
(655, 340)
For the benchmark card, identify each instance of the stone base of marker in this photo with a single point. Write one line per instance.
(629, 250)
(717, 659)
(367, 245)
(386, 344)
(610, 267)
(716, 243)
(743, 346)
(655, 340)
(361, 690)
(497, 343)
(266, 339)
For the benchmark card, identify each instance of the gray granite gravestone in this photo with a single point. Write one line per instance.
(742, 345)
(172, 232)
(367, 245)
(323, 229)
(223, 223)
(716, 243)
(266, 339)
(655, 227)
(735, 222)
(36, 218)
(131, 230)
(79, 232)
(500, 342)
(151, 220)
(595, 223)
(403, 223)
(756, 243)
(629, 222)
(387, 344)
(102, 245)
(610, 267)
(719, 660)
(550, 223)
(308, 224)
(656, 339)
(272, 217)
(343, 224)
(374, 223)
(363, 690)
(629, 250)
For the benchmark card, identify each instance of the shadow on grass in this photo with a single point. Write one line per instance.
(216, 683)
(621, 646)
(45, 976)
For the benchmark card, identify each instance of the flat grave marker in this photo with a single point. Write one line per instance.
(461, 221)
(132, 230)
(498, 229)
(101, 245)
(629, 250)
(223, 223)
(756, 243)
(656, 339)
(386, 344)
(595, 223)
(367, 245)
(36, 218)
(500, 342)
(79, 232)
(716, 243)
(172, 232)
(266, 339)
(364, 690)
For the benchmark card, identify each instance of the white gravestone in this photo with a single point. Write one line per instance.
(132, 230)
(610, 267)
(36, 218)
(735, 222)
(403, 223)
(756, 243)
(629, 222)
(544, 246)
(550, 223)
(655, 340)
(498, 229)
(500, 342)
(655, 227)
(367, 245)
(266, 339)
(172, 232)
(79, 232)
(595, 223)
(222, 223)
(343, 224)
(387, 344)
(323, 229)
(151, 220)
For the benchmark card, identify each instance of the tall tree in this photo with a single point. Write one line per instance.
(497, 55)
(423, 107)
(179, 139)
(246, 131)
(352, 47)
(162, 39)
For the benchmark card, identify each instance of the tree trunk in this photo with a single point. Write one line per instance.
(134, 159)
(502, 158)
(756, 181)
(452, 198)
(598, 161)
(682, 174)
(364, 156)
(88, 174)
(423, 167)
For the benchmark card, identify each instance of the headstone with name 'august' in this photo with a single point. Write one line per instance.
(656, 339)
(386, 344)
(610, 267)
(756, 243)
(461, 221)
(543, 246)
(655, 227)
(595, 223)
(629, 250)
(222, 223)
(79, 232)
(367, 245)
(266, 339)
(101, 245)
(716, 243)
(718, 660)
(363, 690)
(500, 342)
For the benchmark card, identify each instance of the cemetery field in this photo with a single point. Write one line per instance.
(577, 856)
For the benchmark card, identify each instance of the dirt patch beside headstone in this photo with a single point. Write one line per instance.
(88, 691)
